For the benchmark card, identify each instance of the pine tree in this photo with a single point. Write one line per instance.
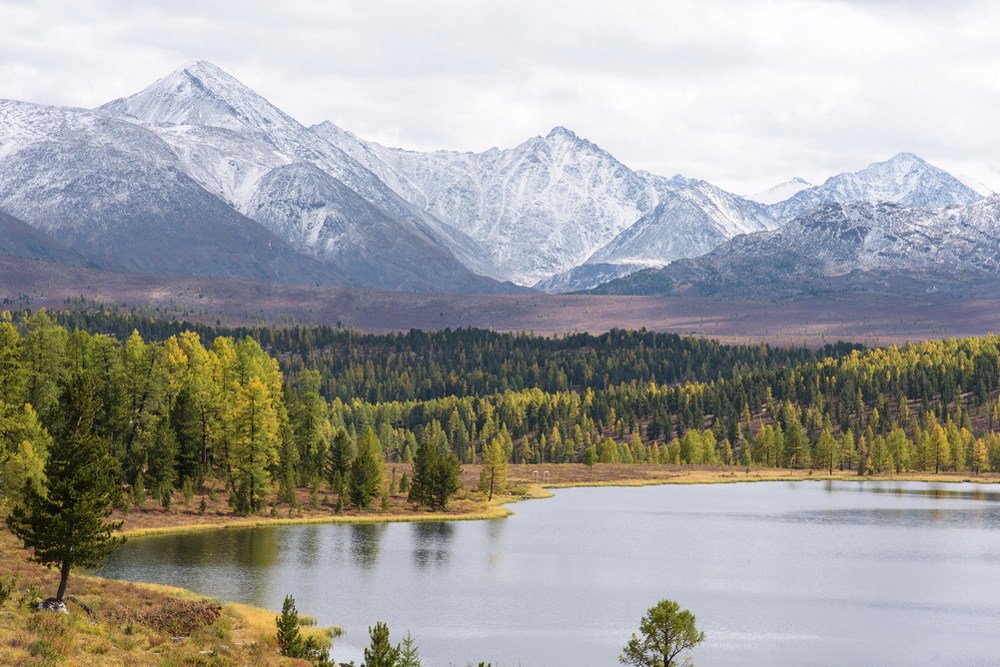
(423, 463)
(289, 637)
(339, 460)
(366, 470)
(444, 480)
(408, 655)
(380, 653)
(65, 523)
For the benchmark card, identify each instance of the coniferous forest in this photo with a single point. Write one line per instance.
(266, 409)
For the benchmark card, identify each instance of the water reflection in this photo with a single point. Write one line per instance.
(935, 491)
(980, 518)
(432, 543)
(366, 541)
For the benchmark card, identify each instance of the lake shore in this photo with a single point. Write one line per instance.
(528, 482)
(240, 633)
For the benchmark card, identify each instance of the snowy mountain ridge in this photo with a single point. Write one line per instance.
(903, 179)
(140, 182)
(874, 240)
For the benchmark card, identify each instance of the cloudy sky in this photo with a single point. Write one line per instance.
(745, 93)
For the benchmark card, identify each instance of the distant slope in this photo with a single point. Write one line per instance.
(688, 222)
(19, 239)
(780, 192)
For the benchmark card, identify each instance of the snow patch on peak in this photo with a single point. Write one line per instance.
(781, 191)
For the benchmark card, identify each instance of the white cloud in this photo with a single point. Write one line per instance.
(743, 93)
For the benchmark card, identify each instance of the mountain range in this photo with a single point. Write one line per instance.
(198, 175)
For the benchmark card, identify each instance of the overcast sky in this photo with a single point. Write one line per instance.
(744, 94)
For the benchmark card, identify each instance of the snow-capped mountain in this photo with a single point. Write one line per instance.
(903, 179)
(687, 222)
(781, 191)
(197, 174)
(537, 209)
(835, 241)
(238, 145)
(116, 194)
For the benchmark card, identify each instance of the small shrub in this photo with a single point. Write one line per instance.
(7, 585)
(187, 490)
(31, 597)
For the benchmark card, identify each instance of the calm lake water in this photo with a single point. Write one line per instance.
(777, 573)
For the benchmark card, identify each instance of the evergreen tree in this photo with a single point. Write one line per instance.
(339, 460)
(289, 637)
(366, 470)
(408, 655)
(380, 653)
(65, 522)
(444, 480)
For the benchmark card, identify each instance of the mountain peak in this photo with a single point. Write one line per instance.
(199, 93)
(906, 156)
(560, 132)
(781, 191)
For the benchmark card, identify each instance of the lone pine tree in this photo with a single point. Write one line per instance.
(64, 522)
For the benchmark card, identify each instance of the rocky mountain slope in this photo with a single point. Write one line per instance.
(687, 222)
(19, 239)
(550, 208)
(537, 209)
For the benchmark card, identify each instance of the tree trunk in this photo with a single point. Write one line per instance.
(63, 580)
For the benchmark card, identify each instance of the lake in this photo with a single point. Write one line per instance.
(777, 573)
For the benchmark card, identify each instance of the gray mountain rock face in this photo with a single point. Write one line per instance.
(547, 206)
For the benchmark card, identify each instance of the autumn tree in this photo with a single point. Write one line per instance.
(493, 474)
(255, 447)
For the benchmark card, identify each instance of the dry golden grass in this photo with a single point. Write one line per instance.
(134, 624)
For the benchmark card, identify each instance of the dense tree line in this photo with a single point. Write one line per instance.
(182, 410)
(421, 365)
